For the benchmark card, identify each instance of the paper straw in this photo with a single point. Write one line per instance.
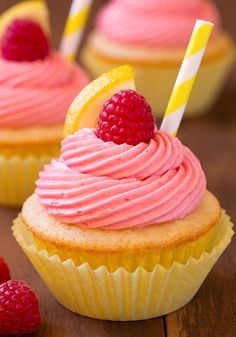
(74, 28)
(186, 77)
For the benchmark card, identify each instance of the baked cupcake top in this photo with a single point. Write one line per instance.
(36, 84)
(123, 174)
(154, 23)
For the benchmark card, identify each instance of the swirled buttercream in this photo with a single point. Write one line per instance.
(158, 23)
(100, 184)
(38, 93)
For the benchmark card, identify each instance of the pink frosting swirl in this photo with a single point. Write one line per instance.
(100, 184)
(38, 93)
(159, 23)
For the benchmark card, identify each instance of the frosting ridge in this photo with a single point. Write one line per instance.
(104, 185)
(159, 23)
(38, 93)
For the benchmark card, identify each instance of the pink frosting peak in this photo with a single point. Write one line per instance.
(154, 23)
(38, 93)
(99, 184)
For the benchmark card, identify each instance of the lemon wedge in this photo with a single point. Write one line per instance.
(35, 10)
(84, 111)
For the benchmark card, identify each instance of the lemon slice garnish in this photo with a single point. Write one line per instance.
(35, 10)
(84, 111)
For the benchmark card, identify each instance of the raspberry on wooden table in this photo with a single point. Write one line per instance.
(19, 309)
(126, 118)
(24, 40)
(4, 271)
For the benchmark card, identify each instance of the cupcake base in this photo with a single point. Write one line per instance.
(123, 295)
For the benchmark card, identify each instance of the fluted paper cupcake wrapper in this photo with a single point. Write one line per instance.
(147, 259)
(18, 175)
(122, 295)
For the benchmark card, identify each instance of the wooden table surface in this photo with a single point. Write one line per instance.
(212, 313)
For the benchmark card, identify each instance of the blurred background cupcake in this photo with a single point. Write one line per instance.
(152, 36)
(36, 88)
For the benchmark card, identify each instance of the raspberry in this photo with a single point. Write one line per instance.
(126, 118)
(24, 40)
(4, 271)
(19, 309)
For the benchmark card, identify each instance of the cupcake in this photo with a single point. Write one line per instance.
(151, 36)
(121, 226)
(36, 86)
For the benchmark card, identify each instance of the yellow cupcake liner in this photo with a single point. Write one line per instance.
(29, 150)
(130, 261)
(123, 295)
(18, 175)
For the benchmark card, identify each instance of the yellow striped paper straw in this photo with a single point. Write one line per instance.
(74, 28)
(186, 77)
